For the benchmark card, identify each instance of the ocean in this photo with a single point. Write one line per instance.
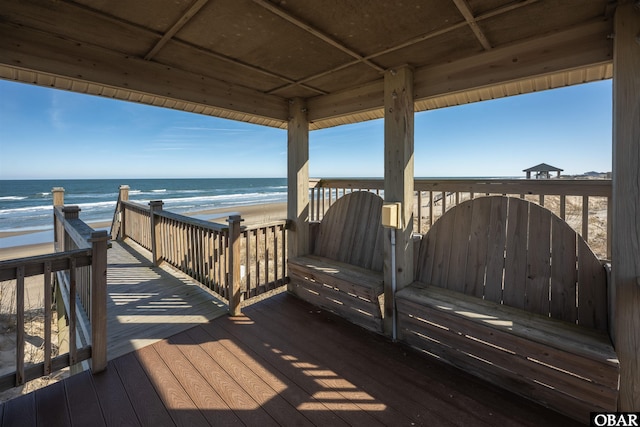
(27, 205)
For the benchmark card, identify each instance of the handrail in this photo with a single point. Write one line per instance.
(136, 224)
(116, 221)
(571, 199)
(79, 266)
(21, 268)
(82, 288)
(77, 231)
(237, 263)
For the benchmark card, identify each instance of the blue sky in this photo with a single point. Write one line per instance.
(52, 134)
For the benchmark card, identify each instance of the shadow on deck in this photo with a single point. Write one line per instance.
(284, 362)
(146, 304)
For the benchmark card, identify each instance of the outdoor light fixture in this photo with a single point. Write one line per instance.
(392, 219)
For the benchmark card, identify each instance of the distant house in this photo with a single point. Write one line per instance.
(543, 171)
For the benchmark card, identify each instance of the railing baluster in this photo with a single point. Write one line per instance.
(257, 258)
(540, 191)
(247, 262)
(20, 325)
(419, 211)
(47, 317)
(430, 208)
(266, 256)
(275, 256)
(285, 271)
(585, 218)
(73, 352)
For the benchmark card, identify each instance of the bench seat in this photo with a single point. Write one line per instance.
(509, 292)
(348, 290)
(566, 367)
(343, 273)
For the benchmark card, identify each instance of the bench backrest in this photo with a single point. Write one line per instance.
(519, 254)
(351, 231)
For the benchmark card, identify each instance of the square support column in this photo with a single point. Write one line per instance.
(398, 180)
(625, 269)
(298, 179)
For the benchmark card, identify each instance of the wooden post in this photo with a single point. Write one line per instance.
(398, 179)
(298, 179)
(124, 197)
(70, 212)
(58, 196)
(98, 300)
(235, 296)
(156, 238)
(58, 200)
(626, 201)
(20, 273)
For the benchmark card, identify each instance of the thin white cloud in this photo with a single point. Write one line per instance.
(205, 128)
(56, 112)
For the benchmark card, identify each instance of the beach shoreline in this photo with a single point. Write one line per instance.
(252, 214)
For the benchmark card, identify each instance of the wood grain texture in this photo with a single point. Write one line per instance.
(82, 400)
(493, 285)
(146, 304)
(626, 201)
(515, 263)
(48, 400)
(344, 274)
(566, 360)
(514, 252)
(537, 285)
(564, 275)
(144, 398)
(351, 231)
(513, 348)
(181, 407)
(474, 281)
(282, 362)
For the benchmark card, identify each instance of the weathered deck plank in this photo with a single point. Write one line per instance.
(83, 401)
(146, 304)
(149, 408)
(282, 362)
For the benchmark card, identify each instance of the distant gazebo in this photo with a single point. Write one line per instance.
(543, 171)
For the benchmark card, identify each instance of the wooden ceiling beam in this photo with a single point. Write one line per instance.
(21, 12)
(190, 13)
(315, 32)
(466, 12)
(570, 49)
(423, 37)
(39, 51)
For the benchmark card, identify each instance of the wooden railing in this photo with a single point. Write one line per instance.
(117, 220)
(83, 289)
(584, 204)
(136, 220)
(79, 268)
(239, 264)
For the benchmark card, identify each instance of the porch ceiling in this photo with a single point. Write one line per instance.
(244, 59)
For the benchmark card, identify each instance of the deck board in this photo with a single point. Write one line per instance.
(283, 362)
(149, 407)
(146, 304)
(83, 400)
(47, 402)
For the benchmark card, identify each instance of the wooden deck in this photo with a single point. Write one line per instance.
(284, 362)
(146, 304)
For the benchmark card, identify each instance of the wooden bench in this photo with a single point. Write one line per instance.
(343, 274)
(509, 292)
